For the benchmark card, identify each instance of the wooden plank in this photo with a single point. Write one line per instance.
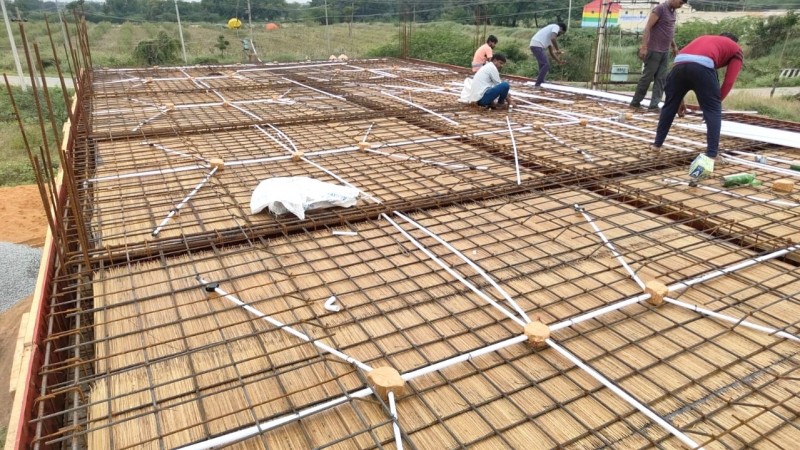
(18, 349)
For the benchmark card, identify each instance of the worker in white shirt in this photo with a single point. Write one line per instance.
(546, 38)
(488, 87)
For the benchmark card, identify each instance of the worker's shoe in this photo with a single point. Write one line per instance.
(635, 105)
(653, 108)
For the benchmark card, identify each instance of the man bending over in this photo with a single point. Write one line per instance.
(487, 86)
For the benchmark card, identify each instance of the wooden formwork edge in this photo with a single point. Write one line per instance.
(30, 358)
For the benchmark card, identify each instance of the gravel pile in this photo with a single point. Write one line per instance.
(19, 266)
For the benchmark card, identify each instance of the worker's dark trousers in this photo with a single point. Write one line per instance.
(655, 71)
(544, 64)
(703, 81)
(499, 92)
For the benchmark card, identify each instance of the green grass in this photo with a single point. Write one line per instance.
(112, 45)
(15, 166)
(784, 108)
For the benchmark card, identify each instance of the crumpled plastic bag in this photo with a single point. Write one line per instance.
(466, 91)
(300, 194)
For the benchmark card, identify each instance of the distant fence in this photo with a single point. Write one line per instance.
(790, 73)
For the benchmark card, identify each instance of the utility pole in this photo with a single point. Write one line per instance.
(252, 44)
(569, 14)
(327, 32)
(13, 47)
(598, 54)
(180, 32)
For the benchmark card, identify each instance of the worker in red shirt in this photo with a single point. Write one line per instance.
(695, 70)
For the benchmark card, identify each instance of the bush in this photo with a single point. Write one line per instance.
(27, 106)
(161, 50)
(442, 43)
(390, 50)
(769, 35)
(577, 46)
(513, 50)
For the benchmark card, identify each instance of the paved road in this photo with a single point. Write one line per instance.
(51, 81)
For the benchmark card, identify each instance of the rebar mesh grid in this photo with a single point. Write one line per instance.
(474, 224)
(164, 348)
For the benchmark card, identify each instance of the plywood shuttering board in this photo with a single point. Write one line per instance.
(175, 366)
(138, 182)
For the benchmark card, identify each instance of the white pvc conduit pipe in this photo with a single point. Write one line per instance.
(402, 157)
(612, 248)
(382, 73)
(183, 202)
(598, 312)
(174, 152)
(149, 119)
(727, 318)
(673, 181)
(764, 167)
(452, 272)
(299, 66)
(441, 365)
(147, 173)
(469, 262)
(398, 438)
(625, 396)
(514, 144)
(420, 107)
(338, 97)
(623, 125)
(627, 135)
(733, 268)
(288, 329)
(246, 433)
(687, 305)
(768, 158)
(555, 138)
(681, 285)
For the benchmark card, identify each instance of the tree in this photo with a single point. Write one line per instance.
(771, 33)
(163, 49)
(222, 44)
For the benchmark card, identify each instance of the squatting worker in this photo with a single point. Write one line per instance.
(483, 54)
(546, 38)
(487, 86)
(658, 38)
(695, 70)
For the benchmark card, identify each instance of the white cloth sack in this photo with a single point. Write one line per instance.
(465, 93)
(300, 194)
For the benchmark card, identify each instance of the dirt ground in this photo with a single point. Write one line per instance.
(22, 221)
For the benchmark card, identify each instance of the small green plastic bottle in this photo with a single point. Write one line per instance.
(739, 179)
